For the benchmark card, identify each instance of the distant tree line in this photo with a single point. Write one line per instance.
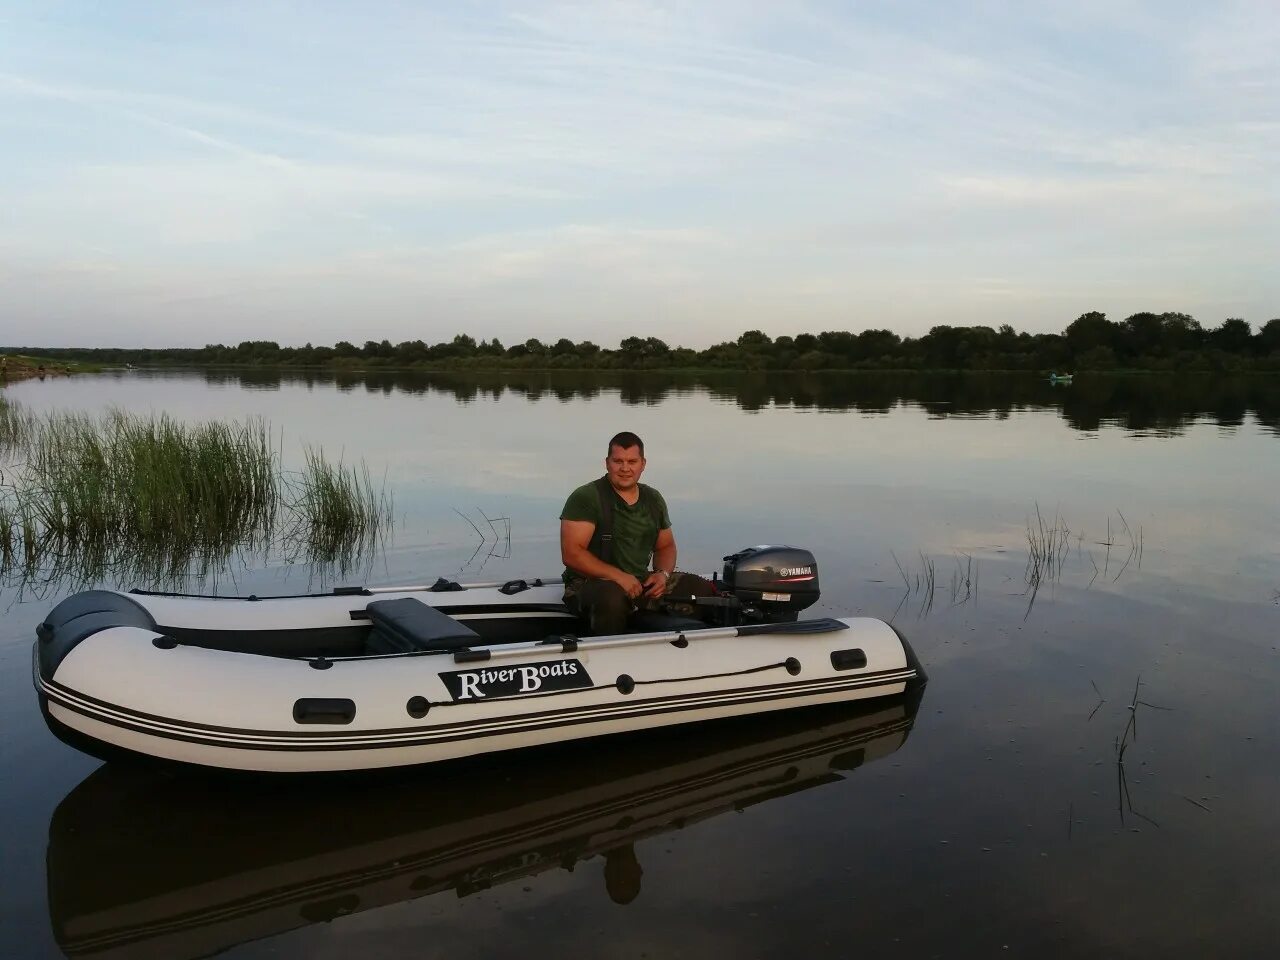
(1143, 341)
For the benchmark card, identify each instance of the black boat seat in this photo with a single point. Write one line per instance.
(407, 625)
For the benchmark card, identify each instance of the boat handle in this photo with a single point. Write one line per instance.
(324, 710)
(848, 659)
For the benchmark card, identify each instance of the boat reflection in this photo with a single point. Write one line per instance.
(149, 863)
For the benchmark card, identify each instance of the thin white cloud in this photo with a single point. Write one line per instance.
(711, 167)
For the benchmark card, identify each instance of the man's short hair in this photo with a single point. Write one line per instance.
(625, 440)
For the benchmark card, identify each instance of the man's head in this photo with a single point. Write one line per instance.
(625, 461)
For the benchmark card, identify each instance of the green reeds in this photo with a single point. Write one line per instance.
(337, 512)
(924, 585)
(1047, 548)
(155, 500)
(206, 486)
(16, 426)
(1047, 545)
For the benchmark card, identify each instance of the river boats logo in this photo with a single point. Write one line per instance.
(545, 676)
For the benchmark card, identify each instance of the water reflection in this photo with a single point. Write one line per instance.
(182, 865)
(1139, 403)
(46, 565)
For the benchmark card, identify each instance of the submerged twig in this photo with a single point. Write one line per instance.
(499, 548)
(1124, 799)
(1101, 701)
(963, 581)
(907, 582)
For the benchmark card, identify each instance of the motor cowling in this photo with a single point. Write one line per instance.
(780, 581)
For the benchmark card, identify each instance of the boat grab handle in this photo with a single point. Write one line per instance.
(324, 710)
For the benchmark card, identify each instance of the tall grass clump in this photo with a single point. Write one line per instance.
(17, 424)
(157, 500)
(1047, 547)
(210, 485)
(201, 486)
(8, 533)
(337, 511)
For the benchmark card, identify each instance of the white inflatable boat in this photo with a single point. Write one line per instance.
(382, 677)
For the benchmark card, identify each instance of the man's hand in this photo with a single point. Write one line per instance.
(655, 585)
(629, 584)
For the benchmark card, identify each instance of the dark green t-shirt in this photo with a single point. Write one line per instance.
(634, 527)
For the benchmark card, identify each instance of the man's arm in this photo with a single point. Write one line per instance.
(664, 563)
(575, 536)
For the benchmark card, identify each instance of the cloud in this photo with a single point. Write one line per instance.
(590, 252)
(713, 166)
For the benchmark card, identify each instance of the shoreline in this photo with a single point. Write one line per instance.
(17, 368)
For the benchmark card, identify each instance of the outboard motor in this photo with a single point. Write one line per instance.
(777, 581)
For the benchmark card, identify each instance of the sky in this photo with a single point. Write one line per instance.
(191, 173)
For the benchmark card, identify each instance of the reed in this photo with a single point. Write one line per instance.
(337, 511)
(16, 426)
(929, 585)
(1047, 548)
(1124, 800)
(156, 500)
(924, 585)
(8, 538)
(964, 580)
(206, 485)
(1134, 556)
(210, 484)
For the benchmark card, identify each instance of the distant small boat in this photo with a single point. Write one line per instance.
(1060, 377)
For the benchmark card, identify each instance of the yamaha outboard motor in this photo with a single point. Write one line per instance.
(777, 581)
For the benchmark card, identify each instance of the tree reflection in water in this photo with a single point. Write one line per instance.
(1154, 403)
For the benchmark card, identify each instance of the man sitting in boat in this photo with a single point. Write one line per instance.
(610, 531)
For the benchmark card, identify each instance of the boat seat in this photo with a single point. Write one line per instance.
(408, 625)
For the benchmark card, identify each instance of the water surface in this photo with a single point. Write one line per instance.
(995, 815)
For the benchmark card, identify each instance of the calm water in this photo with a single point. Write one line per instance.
(992, 819)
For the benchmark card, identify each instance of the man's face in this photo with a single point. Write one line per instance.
(624, 465)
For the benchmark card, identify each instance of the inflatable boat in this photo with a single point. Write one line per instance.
(175, 864)
(367, 677)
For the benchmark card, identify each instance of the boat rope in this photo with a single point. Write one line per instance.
(716, 676)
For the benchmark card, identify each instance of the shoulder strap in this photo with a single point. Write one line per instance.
(601, 545)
